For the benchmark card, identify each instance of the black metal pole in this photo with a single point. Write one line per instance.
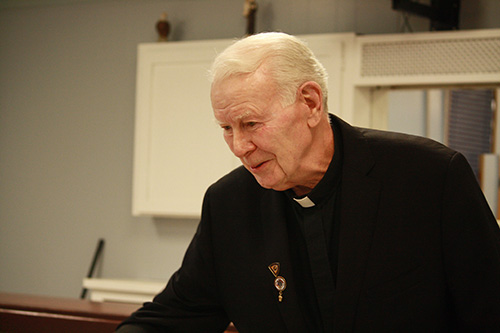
(97, 254)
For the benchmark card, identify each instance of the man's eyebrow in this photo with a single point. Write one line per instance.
(240, 117)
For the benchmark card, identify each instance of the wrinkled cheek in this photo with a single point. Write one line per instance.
(282, 165)
(229, 143)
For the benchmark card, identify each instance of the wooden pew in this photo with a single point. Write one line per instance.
(21, 313)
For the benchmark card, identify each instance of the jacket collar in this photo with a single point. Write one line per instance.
(359, 204)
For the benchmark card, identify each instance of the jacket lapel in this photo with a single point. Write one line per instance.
(277, 250)
(359, 205)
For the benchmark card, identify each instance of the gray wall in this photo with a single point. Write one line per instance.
(67, 87)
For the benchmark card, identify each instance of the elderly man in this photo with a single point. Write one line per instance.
(327, 227)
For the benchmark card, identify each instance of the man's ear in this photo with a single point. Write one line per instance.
(311, 95)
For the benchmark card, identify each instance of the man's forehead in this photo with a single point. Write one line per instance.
(222, 91)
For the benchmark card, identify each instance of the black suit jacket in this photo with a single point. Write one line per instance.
(419, 249)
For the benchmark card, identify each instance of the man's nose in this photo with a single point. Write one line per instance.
(242, 144)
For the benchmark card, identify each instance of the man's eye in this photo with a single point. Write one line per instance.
(226, 128)
(251, 124)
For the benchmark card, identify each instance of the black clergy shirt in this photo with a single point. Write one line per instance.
(321, 210)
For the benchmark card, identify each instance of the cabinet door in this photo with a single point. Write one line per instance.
(179, 149)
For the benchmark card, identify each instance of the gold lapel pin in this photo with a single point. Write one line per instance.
(279, 281)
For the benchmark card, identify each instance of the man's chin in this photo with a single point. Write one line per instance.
(263, 183)
(271, 185)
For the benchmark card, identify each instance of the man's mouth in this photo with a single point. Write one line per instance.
(257, 166)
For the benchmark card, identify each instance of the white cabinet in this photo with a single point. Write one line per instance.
(179, 149)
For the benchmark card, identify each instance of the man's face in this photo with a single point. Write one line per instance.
(271, 141)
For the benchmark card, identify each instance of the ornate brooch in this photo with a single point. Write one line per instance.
(279, 281)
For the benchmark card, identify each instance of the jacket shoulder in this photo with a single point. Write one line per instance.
(406, 144)
(237, 184)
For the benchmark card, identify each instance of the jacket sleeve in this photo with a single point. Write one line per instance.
(471, 250)
(190, 301)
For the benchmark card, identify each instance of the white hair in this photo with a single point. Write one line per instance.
(288, 59)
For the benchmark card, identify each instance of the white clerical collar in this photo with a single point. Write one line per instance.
(305, 202)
